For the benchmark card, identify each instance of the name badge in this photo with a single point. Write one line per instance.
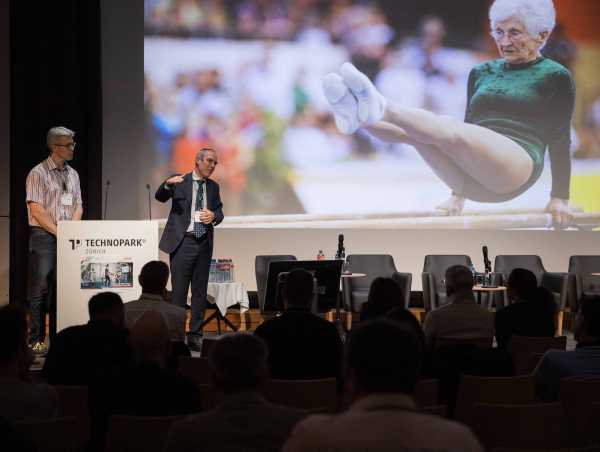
(197, 216)
(66, 199)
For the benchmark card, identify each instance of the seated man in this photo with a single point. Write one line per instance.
(381, 362)
(19, 398)
(153, 279)
(584, 361)
(83, 353)
(244, 420)
(462, 317)
(530, 312)
(301, 345)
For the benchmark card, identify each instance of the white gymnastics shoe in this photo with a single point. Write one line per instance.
(371, 104)
(343, 103)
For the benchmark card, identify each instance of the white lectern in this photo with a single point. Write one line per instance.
(94, 256)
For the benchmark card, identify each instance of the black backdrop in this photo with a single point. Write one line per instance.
(55, 80)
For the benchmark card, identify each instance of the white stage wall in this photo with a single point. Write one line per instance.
(407, 247)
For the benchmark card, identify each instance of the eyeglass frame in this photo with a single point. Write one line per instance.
(69, 145)
(512, 34)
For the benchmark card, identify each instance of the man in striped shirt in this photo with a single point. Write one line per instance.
(53, 195)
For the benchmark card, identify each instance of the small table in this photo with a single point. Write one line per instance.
(224, 295)
(595, 274)
(479, 289)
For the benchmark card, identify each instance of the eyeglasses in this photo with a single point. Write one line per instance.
(69, 145)
(512, 34)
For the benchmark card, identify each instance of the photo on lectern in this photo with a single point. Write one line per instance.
(248, 78)
(106, 272)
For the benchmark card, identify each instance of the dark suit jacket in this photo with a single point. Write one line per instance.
(301, 346)
(181, 210)
(527, 318)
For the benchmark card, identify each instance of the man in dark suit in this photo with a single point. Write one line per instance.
(301, 345)
(196, 208)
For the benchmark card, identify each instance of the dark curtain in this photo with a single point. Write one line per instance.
(55, 80)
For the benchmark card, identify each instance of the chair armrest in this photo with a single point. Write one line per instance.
(404, 280)
(429, 293)
(557, 282)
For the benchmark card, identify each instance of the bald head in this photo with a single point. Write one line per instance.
(149, 338)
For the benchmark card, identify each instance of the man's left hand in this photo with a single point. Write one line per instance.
(207, 216)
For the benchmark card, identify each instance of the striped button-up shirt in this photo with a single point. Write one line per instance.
(45, 185)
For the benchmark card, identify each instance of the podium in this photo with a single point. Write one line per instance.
(97, 256)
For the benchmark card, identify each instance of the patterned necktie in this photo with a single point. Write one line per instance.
(199, 227)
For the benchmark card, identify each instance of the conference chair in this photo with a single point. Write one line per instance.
(557, 283)
(355, 291)
(531, 426)
(473, 390)
(261, 269)
(433, 277)
(578, 396)
(521, 348)
(582, 282)
(73, 402)
(314, 395)
(139, 433)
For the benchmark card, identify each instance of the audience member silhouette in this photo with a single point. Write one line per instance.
(530, 312)
(404, 317)
(153, 279)
(244, 421)
(380, 380)
(97, 350)
(584, 361)
(147, 387)
(301, 345)
(462, 317)
(384, 295)
(19, 398)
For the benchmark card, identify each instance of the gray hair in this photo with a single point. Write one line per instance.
(56, 132)
(202, 152)
(538, 16)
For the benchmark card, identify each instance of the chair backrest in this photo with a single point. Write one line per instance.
(477, 341)
(52, 435)
(427, 393)
(314, 395)
(73, 402)
(373, 265)
(508, 390)
(261, 268)
(532, 426)
(505, 263)
(139, 433)
(521, 348)
(196, 369)
(578, 396)
(434, 272)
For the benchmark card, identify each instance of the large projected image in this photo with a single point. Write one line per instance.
(436, 123)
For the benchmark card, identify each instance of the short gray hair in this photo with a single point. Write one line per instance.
(200, 154)
(537, 15)
(56, 132)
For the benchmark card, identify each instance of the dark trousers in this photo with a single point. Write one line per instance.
(190, 263)
(41, 290)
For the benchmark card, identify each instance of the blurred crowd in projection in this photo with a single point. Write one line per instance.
(245, 77)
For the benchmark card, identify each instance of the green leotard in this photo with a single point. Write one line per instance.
(531, 104)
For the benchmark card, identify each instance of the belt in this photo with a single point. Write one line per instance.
(191, 235)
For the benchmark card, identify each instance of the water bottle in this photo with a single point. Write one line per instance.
(320, 255)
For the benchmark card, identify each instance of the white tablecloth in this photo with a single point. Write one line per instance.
(228, 294)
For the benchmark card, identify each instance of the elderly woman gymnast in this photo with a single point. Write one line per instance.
(517, 106)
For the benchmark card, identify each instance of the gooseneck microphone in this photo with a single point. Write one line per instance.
(486, 261)
(341, 252)
(149, 202)
(106, 198)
